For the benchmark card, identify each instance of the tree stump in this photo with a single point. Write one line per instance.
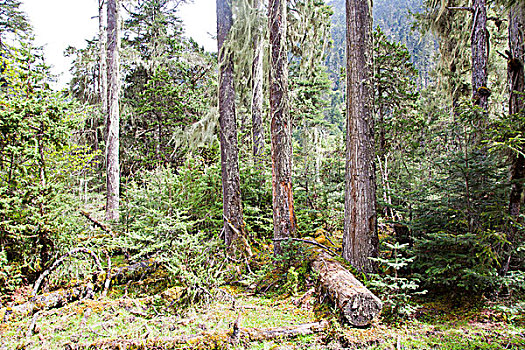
(357, 304)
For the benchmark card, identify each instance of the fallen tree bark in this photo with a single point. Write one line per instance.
(357, 304)
(50, 300)
(204, 340)
(84, 290)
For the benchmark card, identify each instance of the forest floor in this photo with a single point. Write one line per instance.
(126, 321)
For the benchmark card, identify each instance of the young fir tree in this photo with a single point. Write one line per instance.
(360, 224)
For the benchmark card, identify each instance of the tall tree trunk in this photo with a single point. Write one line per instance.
(257, 91)
(360, 223)
(281, 126)
(112, 121)
(516, 105)
(102, 69)
(231, 189)
(479, 49)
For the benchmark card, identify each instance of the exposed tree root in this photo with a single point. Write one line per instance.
(205, 340)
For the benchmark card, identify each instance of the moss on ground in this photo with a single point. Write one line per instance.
(437, 325)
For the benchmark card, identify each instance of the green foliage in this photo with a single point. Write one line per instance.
(397, 291)
(38, 159)
(12, 19)
(163, 216)
(459, 214)
(256, 194)
(10, 275)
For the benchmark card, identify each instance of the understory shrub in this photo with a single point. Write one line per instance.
(175, 217)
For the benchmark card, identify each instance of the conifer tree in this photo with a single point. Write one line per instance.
(360, 223)
(102, 65)
(516, 109)
(281, 126)
(257, 88)
(231, 192)
(479, 49)
(112, 121)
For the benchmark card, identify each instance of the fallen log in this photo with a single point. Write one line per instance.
(357, 304)
(84, 290)
(50, 300)
(205, 339)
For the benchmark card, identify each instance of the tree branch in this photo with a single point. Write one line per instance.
(309, 242)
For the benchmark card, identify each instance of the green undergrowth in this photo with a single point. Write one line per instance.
(437, 324)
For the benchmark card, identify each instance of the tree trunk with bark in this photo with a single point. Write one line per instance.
(102, 64)
(231, 189)
(479, 49)
(360, 223)
(358, 305)
(257, 91)
(281, 126)
(516, 105)
(112, 121)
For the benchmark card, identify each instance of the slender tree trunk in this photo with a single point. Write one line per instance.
(231, 189)
(360, 224)
(257, 91)
(516, 105)
(479, 50)
(112, 121)
(102, 69)
(281, 126)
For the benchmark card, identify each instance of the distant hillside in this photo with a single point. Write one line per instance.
(394, 18)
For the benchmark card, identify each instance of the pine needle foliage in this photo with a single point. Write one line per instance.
(174, 216)
(39, 161)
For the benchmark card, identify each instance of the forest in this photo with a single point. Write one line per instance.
(337, 175)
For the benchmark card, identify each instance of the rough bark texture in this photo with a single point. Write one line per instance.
(206, 340)
(102, 65)
(231, 189)
(49, 300)
(257, 91)
(358, 305)
(516, 105)
(84, 290)
(281, 126)
(479, 51)
(360, 224)
(112, 121)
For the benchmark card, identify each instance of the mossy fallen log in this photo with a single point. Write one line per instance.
(205, 340)
(49, 300)
(84, 290)
(357, 304)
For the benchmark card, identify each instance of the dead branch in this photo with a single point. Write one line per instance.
(97, 223)
(108, 278)
(60, 261)
(206, 339)
(32, 325)
(464, 8)
(309, 242)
